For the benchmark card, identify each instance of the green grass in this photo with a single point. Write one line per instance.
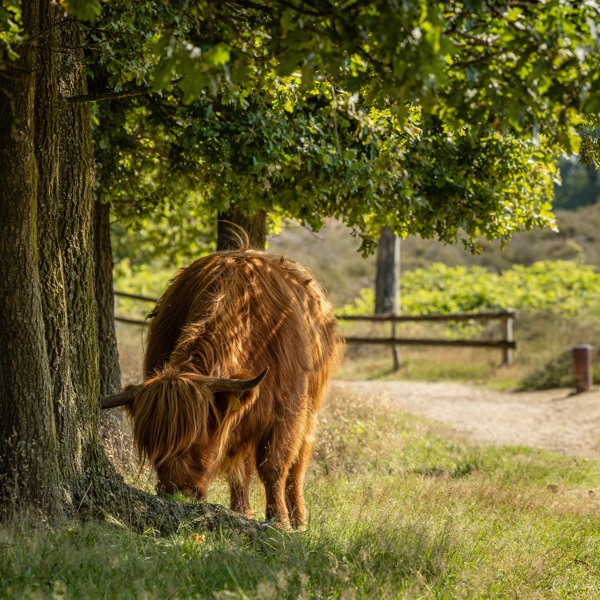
(399, 508)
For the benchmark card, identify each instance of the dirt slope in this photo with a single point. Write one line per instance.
(552, 420)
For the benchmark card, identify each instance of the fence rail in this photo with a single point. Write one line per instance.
(505, 343)
(136, 297)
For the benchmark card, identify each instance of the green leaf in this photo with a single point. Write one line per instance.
(218, 55)
(86, 10)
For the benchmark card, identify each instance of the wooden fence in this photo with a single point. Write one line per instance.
(505, 343)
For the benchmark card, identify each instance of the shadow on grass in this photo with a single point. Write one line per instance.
(96, 560)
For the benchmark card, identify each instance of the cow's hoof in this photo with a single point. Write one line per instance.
(275, 525)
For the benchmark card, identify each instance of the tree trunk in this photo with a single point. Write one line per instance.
(114, 425)
(388, 273)
(110, 371)
(254, 225)
(49, 370)
(51, 456)
(29, 473)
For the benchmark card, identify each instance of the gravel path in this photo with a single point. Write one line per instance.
(552, 419)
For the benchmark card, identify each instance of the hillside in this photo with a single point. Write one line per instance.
(332, 253)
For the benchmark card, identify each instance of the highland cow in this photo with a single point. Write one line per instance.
(240, 348)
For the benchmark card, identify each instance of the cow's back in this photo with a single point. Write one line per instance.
(244, 311)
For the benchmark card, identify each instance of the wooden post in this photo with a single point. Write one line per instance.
(507, 336)
(395, 352)
(582, 367)
(387, 281)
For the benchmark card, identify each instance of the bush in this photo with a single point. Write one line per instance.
(560, 287)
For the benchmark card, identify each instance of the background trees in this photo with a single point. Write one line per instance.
(435, 119)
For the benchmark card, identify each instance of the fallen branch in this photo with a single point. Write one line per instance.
(121, 399)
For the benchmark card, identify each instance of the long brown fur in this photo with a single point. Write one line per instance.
(233, 314)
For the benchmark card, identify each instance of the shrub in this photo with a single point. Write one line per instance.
(560, 287)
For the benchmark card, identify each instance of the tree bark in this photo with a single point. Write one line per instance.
(29, 472)
(49, 370)
(388, 273)
(254, 225)
(110, 372)
(114, 426)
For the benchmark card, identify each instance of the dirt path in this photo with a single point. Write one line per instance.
(552, 420)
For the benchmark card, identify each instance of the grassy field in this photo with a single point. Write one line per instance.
(399, 508)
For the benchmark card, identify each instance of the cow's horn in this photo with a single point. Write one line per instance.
(223, 384)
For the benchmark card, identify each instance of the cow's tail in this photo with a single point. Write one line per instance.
(170, 412)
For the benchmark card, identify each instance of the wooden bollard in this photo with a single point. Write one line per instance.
(582, 367)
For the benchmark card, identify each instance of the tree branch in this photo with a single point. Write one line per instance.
(302, 9)
(253, 5)
(67, 21)
(97, 97)
(476, 60)
(475, 41)
(123, 398)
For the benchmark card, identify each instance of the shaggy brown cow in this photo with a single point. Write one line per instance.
(201, 412)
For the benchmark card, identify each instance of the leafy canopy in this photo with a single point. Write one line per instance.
(439, 119)
(508, 64)
(314, 159)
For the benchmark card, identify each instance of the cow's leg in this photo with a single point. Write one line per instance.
(274, 457)
(294, 487)
(239, 488)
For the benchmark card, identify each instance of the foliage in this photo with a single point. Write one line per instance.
(527, 69)
(360, 168)
(487, 186)
(142, 280)
(510, 65)
(560, 287)
(173, 235)
(10, 31)
(417, 116)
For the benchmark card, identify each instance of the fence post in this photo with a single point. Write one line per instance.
(395, 353)
(507, 336)
(582, 367)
